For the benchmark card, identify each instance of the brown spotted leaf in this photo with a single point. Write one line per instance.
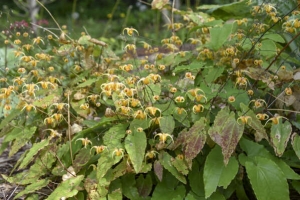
(192, 140)
(195, 141)
(180, 140)
(226, 133)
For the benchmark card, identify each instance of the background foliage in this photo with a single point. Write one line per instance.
(204, 116)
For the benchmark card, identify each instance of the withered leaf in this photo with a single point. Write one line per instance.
(159, 4)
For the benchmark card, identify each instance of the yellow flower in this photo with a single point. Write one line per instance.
(118, 152)
(244, 119)
(275, 119)
(53, 133)
(28, 107)
(37, 40)
(288, 91)
(258, 103)
(262, 116)
(198, 108)
(151, 154)
(231, 99)
(163, 137)
(99, 149)
(85, 141)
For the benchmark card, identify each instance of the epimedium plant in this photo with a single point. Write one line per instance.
(217, 121)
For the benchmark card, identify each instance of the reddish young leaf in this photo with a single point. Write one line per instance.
(158, 170)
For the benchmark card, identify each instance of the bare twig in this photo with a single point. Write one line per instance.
(45, 29)
(69, 128)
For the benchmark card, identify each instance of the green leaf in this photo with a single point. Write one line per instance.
(135, 145)
(113, 136)
(102, 124)
(268, 48)
(139, 123)
(296, 144)
(115, 191)
(48, 100)
(86, 83)
(144, 185)
(146, 167)
(247, 44)
(20, 136)
(194, 66)
(32, 197)
(216, 173)
(150, 90)
(255, 124)
(279, 136)
(10, 58)
(115, 195)
(196, 179)
(105, 163)
(81, 159)
(128, 186)
(165, 159)
(166, 108)
(217, 196)
(84, 40)
(119, 170)
(180, 165)
(212, 73)
(267, 179)
(168, 189)
(167, 124)
(253, 149)
(76, 106)
(229, 172)
(228, 11)
(240, 190)
(33, 187)
(181, 117)
(41, 166)
(6, 121)
(36, 147)
(89, 123)
(226, 132)
(296, 186)
(217, 39)
(274, 37)
(191, 196)
(67, 188)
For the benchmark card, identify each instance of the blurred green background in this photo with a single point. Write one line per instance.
(100, 18)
